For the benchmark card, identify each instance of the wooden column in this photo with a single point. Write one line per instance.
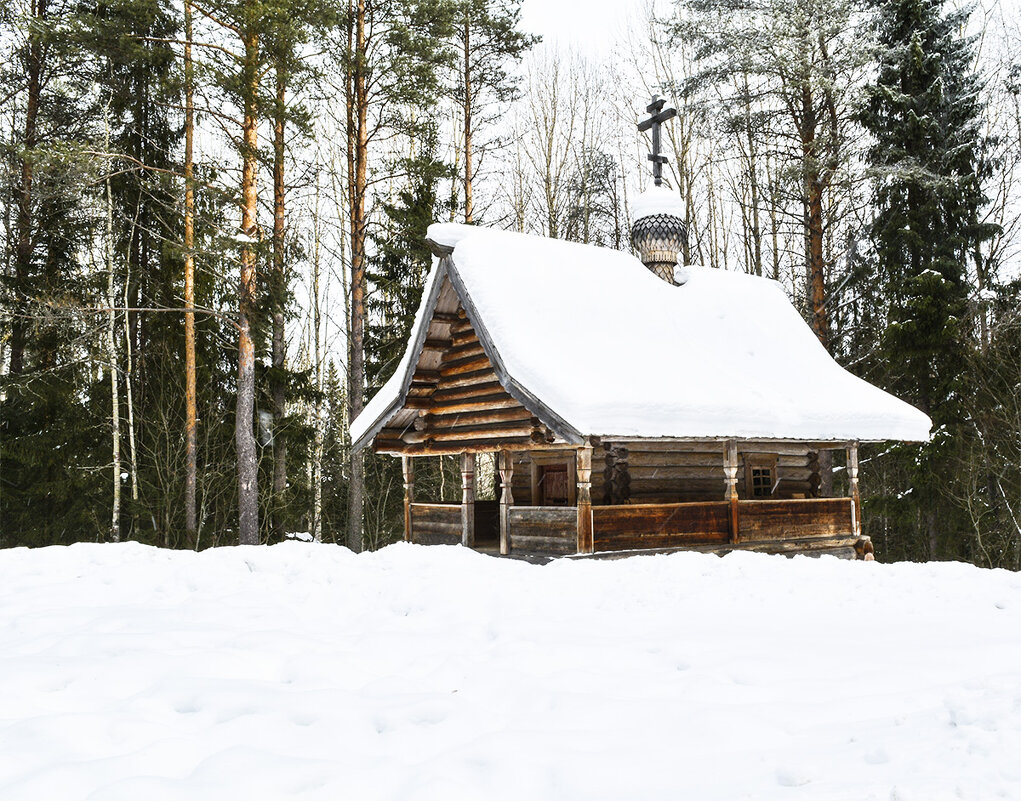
(730, 466)
(584, 470)
(468, 500)
(506, 499)
(852, 476)
(408, 468)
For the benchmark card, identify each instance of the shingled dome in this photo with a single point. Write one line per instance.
(658, 232)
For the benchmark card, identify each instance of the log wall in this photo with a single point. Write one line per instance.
(662, 472)
(672, 525)
(543, 529)
(436, 523)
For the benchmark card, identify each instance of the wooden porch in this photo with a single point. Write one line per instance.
(580, 528)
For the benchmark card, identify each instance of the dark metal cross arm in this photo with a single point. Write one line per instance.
(657, 118)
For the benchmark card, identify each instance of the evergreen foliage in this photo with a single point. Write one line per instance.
(924, 114)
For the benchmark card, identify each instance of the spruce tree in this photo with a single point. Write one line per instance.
(924, 112)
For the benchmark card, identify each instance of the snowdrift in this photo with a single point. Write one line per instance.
(305, 672)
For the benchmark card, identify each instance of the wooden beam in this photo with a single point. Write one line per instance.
(445, 317)
(441, 418)
(852, 475)
(468, 364)
(583, 470)
(730, 465)
(425, 377)
(408, 470)
(469, 391)
(436, 344)
(468, 500)
(465, 379)
(506, 466)
(496, 400)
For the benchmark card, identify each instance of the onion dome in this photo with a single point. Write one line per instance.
(658, 231)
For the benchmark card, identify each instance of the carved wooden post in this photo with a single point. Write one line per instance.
(852, 475)
(468, 500)
(506, 499)
(730, 465)
(584, 469)
(408, 468)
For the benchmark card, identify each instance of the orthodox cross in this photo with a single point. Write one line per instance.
(657, 118)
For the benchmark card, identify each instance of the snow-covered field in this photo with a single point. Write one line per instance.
(306, 672)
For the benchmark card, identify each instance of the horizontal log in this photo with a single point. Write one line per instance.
(468, 391)
(439, 529)
(430, 448)
(446, 317)
(468, 364)
(495, 400)
(640, 484)
(445, 514)
(639, 473)
(425, 377)
(466, 379)
(491, 430)
(550, 545)
(513, 414)
(643, 541)
(436, 344)
(544, 515)
(470, 348)
(463, 337)
(428, 538)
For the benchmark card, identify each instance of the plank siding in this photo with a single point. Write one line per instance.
(793, 519)
(543, 529)
(641, 526)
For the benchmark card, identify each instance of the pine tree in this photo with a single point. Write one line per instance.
(487, 39)
(924, 112)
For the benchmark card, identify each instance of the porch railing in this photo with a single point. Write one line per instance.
(543, 529)
(659, 525)
(436, 523)
(795, 519)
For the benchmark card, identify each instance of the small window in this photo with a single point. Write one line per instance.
(762, 482)
(760, 475)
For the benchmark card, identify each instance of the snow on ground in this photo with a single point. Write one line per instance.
(305, 672)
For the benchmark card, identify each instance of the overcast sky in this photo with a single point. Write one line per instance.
(590, 26)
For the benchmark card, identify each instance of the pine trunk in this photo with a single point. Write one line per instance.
(190, 387)
(356, 342)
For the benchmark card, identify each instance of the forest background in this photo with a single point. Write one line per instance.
(213, 219)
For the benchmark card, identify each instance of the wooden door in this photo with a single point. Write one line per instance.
(553, 485)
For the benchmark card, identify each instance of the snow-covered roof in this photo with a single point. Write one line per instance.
(612, 350)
